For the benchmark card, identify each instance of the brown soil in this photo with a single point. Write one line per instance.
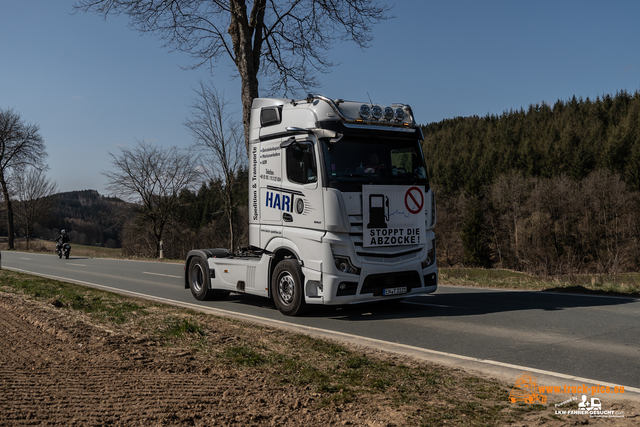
(59, 368)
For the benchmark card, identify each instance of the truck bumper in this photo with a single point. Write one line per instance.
(375, 283)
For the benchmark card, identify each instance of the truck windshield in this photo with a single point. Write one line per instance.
(352, 162)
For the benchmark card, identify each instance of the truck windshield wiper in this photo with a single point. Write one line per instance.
(369, 176)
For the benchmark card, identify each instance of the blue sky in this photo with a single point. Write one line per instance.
(93, 85)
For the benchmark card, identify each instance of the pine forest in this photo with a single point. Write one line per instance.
(554, 189)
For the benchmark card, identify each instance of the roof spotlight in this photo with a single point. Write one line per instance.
(376, 111)
(365, 111)
(388, 113)
(399, 114)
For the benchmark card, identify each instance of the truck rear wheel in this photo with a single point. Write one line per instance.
(287, 284)
(199, 282)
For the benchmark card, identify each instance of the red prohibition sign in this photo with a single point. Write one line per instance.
(413, 194)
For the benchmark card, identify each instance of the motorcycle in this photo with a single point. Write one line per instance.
(63, 250)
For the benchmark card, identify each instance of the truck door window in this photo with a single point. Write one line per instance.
(301, 163)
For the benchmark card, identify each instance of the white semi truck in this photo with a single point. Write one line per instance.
(340, 209)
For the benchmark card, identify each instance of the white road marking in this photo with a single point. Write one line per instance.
(28, 259)
(164, 275)
(79, 265)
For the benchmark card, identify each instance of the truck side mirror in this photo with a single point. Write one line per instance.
(288, 142)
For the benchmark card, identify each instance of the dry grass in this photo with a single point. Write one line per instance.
(627, 284)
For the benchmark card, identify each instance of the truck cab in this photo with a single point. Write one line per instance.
(340, 208)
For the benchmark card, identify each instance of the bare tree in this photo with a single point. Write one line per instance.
(32, 190)
(509, 193)
(20, 146)
(152, 177)
(215, 132)
(286, 39)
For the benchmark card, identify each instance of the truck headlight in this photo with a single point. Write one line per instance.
(431, 256)
(343, 264)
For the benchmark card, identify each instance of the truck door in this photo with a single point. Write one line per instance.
(290, 194)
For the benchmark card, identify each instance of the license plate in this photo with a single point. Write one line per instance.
(395, 291)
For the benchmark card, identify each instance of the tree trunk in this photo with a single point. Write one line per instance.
(7, 200)
(158, 237)
(246, 36)
(249, 92)
(230, 214)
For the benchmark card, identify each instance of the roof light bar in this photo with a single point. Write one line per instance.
(375, 112)
(394, 115)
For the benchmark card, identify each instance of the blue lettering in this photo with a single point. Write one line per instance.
(279, 201)
(285, 203)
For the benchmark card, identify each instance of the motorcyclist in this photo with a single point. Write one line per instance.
(61, 240)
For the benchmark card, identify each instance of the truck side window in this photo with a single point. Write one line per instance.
(301, 163)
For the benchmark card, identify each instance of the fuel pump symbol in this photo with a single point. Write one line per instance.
(378, 211)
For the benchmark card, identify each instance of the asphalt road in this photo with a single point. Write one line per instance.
(584, 336)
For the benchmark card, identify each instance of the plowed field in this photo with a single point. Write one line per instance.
(57, 370)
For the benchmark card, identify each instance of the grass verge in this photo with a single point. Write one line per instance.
(627, 284)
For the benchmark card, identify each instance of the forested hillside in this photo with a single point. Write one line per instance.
(88, 217)
(553, 189)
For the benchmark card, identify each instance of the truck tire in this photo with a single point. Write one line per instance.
(287, 290)
(199, 281)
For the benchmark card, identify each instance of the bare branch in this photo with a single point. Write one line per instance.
(31, 191)
(20, 146)
(287, 41)
(153, 178)
(219, 138)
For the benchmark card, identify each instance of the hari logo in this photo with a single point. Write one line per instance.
(526, 390)
(278, 201)
(284, 200)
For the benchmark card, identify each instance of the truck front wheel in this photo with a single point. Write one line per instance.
(199, 282)
(287, 287)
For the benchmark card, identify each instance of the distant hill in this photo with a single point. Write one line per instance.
(88, 217)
